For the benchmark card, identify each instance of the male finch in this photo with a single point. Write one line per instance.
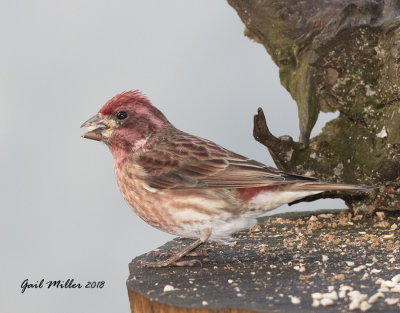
(185, 185)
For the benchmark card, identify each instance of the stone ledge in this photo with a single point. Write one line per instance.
(277, 266)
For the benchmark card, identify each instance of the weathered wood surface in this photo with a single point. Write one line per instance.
(266, 270)
(341, 56)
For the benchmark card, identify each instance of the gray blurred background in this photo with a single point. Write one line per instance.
(62, 215)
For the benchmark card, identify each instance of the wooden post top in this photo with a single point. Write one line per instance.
(288, 263)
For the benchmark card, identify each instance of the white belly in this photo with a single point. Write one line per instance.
(269, 200)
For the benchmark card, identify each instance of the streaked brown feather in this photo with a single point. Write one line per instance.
(205, 164)
(322, 186)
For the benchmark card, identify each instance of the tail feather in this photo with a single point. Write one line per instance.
(321, 186)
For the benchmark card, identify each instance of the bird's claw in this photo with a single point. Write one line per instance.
(187, 263)
(166, 263)
(158, 253)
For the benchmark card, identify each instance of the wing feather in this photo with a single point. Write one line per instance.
(192, 162)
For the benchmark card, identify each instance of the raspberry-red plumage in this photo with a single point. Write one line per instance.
(123, 99)
(183, 184)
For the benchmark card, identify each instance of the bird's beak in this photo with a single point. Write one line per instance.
(95, 126)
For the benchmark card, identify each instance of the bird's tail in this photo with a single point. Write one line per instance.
(321, 186)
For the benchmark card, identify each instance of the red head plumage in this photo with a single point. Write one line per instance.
(131, 121)
(138, 106)
(124, 99)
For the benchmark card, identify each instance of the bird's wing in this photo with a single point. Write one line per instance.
(193, 162)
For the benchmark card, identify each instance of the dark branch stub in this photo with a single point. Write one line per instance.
(309, 42)
(279, 149)
(282, 151)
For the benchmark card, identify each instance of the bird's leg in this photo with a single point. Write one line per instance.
(202, 252)
(174, 259)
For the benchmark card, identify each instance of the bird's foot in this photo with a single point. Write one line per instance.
(175, 258)
(166, 263)
(158, 253)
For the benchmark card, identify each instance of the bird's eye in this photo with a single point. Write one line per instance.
(122, 115)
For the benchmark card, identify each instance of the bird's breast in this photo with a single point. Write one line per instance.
(169, 209)
(144, 200)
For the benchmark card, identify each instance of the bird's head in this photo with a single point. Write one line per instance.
(126, 121)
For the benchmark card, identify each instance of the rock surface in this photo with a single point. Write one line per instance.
(327, 262)
(336, 56)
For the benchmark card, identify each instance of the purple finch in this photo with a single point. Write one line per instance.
(186, 185)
